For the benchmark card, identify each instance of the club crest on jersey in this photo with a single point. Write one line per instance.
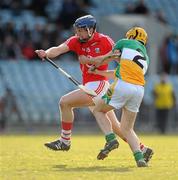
(97, 50)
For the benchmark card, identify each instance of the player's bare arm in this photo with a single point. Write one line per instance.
(109, 57)
(88, 60)
(109, 73)
(53, 51)
(85, 60)
(93, 60)
(105, 59)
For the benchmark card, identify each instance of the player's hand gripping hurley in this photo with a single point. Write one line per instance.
(77, 83)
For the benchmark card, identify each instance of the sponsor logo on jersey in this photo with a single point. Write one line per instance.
(86, 49)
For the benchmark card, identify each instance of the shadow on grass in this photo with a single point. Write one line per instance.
(91, 169)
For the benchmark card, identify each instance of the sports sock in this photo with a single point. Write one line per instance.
(110, 137)
(66, 132)
(138, 155)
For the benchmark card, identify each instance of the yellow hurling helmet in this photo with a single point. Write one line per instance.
(137, 33)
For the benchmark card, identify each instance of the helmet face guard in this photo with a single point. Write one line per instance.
(138, 34)
(87, 22)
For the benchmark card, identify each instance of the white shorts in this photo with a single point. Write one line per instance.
(100, 87)
(122, 94)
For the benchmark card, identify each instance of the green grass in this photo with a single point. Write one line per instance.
(24, 157)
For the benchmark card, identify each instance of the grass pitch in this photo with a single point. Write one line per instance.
(23, 157)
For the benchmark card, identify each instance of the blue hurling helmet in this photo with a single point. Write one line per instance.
(87, 21)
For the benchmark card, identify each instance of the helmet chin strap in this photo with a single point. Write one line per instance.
(89, 33)
(89, 36)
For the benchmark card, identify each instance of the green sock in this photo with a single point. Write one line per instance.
(110, 137)
(138, 155)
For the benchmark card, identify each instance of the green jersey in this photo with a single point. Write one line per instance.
(133, 61)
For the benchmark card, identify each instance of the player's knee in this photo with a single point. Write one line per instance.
(96, 110)
(63, 102)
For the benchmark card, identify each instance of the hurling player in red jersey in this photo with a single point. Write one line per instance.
(85, 43)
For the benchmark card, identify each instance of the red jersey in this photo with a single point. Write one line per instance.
(99, 45)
